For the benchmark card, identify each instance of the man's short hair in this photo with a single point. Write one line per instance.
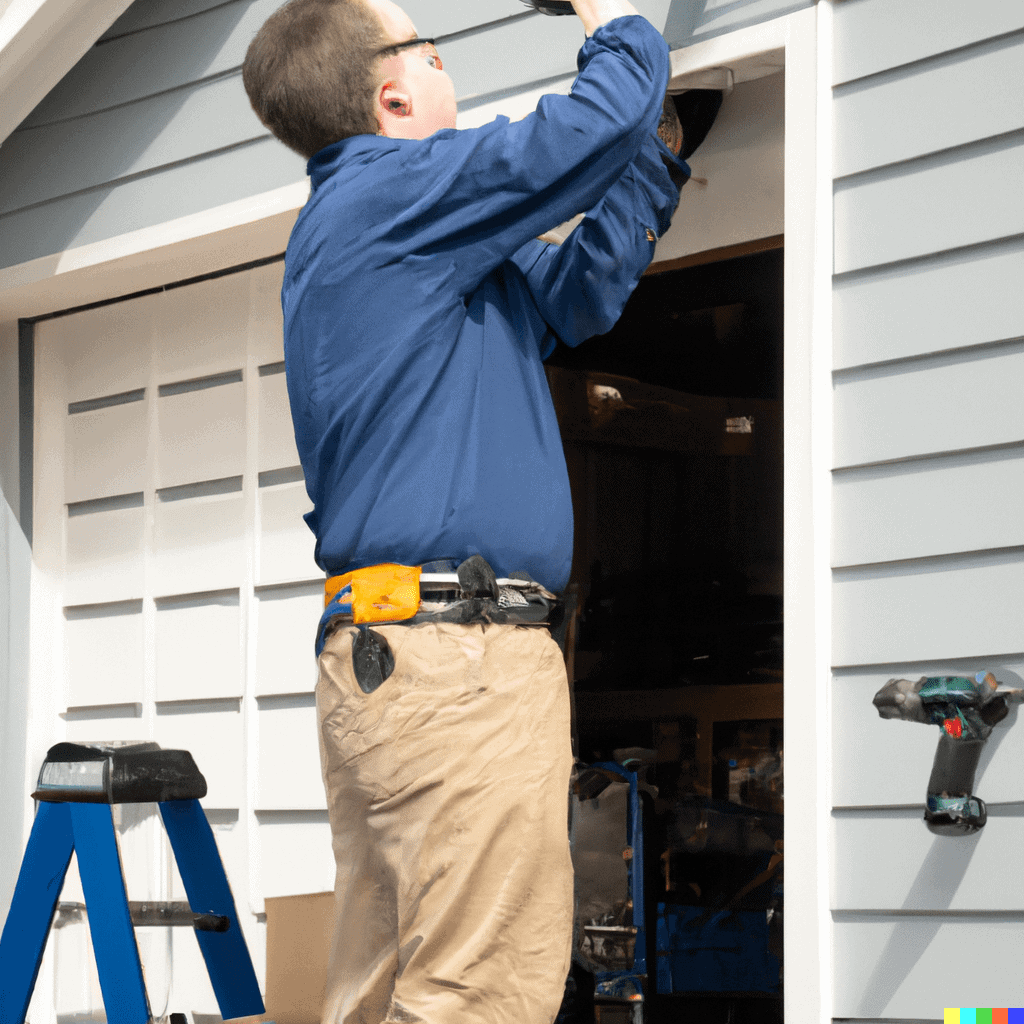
(310, 72)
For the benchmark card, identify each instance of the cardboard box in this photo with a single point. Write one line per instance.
(299, 932)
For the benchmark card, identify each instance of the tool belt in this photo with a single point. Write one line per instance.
(409, 595)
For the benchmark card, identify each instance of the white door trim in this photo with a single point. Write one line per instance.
(807, 420)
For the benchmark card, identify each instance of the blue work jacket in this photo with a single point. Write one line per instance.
(419, 305)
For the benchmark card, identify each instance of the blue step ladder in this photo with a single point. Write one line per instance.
(77, 786)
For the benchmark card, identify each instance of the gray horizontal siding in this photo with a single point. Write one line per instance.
(176, 191)
(964, 399)
(146, 63)
(930, 874)
(928, 450)
(509, 56)
(153, 122)
(165, 129)
(430, 17)
(875, 35)
(952, 199)
(951, 607)
(946, 102)
(213, 42)
(143, 14)
(692, 22)
(913, 967)
(954, 300)
(929, 507)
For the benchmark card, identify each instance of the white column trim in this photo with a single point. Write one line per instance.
(807, 580)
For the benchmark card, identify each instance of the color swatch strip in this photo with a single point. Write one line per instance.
(983, 1015)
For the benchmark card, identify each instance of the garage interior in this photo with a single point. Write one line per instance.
(672, 427)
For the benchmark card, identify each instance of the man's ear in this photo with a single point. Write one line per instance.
(393, 105)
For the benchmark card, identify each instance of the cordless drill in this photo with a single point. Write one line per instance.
(966, 710)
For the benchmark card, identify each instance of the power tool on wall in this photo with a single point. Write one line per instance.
(966, 710)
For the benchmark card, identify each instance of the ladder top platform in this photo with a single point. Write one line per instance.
(130, 774)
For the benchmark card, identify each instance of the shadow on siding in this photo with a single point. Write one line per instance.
(940, 876)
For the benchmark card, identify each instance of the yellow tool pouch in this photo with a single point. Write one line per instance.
(380, 593)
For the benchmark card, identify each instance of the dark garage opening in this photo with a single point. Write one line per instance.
(672, 427)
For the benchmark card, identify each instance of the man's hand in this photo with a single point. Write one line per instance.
(670, 131)
(594, 13)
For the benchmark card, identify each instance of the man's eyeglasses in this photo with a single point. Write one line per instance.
(431, 55)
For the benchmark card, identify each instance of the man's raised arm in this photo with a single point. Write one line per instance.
(594, 13)
(582, 286)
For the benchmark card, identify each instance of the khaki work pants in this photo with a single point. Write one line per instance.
(447, 792)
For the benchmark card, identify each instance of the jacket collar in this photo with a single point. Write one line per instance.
(358, 149)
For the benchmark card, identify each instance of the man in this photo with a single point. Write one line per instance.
(419, 304)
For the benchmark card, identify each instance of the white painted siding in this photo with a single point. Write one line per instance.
(153, 124)
(927, 539)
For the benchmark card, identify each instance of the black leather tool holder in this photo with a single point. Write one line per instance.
(372, 659)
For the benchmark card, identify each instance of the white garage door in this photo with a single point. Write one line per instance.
(168, 524)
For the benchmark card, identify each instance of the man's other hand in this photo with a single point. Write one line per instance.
(594, 13)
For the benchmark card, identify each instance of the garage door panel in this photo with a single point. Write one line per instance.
(166, 472)
(295, 856)
(289, 767)
(201, 435)
(198, 543)
(198, 647)
(276, 434)
(286, 620)
(104, 654)
(104, 558)
(104, 351)
(123, 722)
(266, 320)
(203, 329)
(106, 452)
(286, 543)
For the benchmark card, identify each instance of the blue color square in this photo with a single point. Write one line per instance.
(1015, 1015)
(967, 1015)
